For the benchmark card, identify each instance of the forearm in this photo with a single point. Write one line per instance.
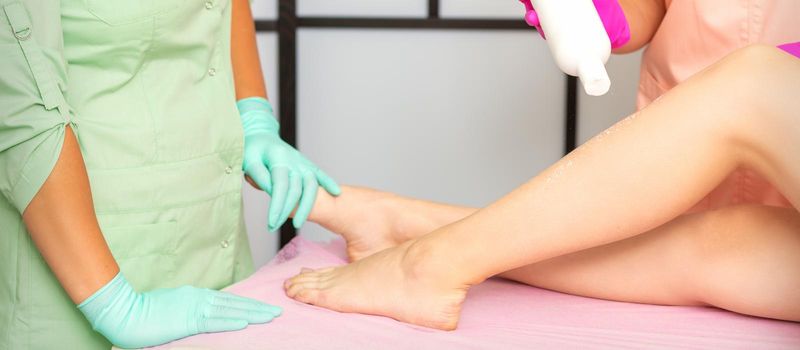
(247, 75)
(62, 224)
(644, 18)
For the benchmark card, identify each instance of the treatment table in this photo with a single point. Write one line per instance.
(497, 314)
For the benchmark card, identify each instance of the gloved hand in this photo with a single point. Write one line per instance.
(277, 167)
(133, 320)
(611, 15)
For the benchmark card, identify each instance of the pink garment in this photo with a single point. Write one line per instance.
(497, 314)
(696, 33)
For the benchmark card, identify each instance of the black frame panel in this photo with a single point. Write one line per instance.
(288, 23)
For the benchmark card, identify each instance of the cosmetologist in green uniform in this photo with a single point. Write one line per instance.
(147, 88)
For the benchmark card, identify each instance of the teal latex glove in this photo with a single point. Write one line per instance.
(133, 320)
(277, 167)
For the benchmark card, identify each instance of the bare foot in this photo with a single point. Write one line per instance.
(406, 283)
(369, 220)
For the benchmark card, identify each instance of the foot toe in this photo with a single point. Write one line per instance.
(308, 296)
(326, 270)
(295, 288)
(301, 277)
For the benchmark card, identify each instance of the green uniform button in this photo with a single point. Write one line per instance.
(23, 34)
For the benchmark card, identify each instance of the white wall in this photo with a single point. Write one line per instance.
(441, 115)
(481, 9)
(264, 9)
(598, 113)
(363, 8)
(453, 116)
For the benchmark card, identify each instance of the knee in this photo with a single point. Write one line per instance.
(753, 55)
(753, 64)
(756, 79)
(754, 93)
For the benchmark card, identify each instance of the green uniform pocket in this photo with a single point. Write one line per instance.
(145, 253)
(119, 12)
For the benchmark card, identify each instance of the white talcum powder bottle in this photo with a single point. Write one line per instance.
(577, 40)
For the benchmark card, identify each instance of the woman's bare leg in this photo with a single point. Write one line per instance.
(371, 220)
(662, 160)
(741, 258)
(669, 265)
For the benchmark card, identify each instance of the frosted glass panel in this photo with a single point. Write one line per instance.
(263, 244)
(598, 113)
(363, 8)
(482, 9)
(264, 9)
(441, 115)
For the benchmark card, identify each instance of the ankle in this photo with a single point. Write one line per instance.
(324, 210)
(425, 259)
(400, 217)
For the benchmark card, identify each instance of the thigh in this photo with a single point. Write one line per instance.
(742, 258)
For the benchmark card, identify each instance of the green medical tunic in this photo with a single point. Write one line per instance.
(147, 87)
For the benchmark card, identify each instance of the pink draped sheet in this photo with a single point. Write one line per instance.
(497, 314)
